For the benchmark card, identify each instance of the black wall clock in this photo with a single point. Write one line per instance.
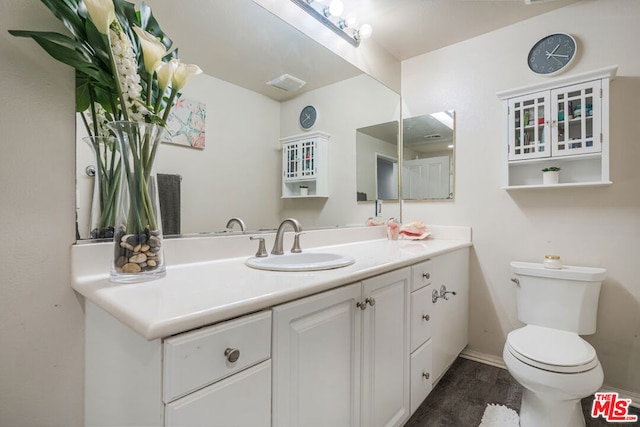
(552, 54)
(308, 117)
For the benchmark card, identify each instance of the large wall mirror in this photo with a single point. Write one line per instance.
(428, 147)
(240, 46)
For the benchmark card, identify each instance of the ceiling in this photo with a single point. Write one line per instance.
(240, 42)
(408, 28)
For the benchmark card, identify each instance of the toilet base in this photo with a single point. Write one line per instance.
(536, 411)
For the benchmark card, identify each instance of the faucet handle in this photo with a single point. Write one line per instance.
(296, 243)
(262, 250)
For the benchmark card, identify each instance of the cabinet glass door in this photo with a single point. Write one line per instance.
(307, 159)
(528, 133)
(576, 115)
(291, 161)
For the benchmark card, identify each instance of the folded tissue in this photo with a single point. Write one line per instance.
(415, 230)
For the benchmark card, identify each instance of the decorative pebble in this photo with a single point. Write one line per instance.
(138, 258)
(151, 263)
(121, 261)
(144, 248)
(131, 268)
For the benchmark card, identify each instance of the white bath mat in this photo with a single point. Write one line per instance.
(499, 416)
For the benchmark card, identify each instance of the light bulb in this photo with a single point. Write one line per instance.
(350, 21)
(336, 7)
(365, 31)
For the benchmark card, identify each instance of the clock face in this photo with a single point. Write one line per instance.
(308, 117)
(552, 54)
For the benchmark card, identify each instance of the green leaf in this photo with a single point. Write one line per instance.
(83, 86)
(67, 12)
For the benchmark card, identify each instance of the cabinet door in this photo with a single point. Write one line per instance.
(577, 119)
(451, 316)
(242, 400)
(290, 161)
(316, 360)
(385, 349)
(528, 126)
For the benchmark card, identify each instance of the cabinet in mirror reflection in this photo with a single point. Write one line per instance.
(428, 161)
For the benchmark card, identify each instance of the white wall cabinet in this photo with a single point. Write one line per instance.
(305, 165)
(341, 358)
(562, 123)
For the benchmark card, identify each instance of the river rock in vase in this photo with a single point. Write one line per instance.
(138, 254)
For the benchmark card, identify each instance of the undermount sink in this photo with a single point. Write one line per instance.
(305, 261)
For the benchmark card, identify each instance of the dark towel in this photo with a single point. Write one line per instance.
(169, 195)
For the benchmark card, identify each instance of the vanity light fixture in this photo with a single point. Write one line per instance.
(329, 13)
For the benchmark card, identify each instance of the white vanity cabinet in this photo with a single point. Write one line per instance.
(205, 377)
(341, 358)
(562, 123)
(421, 332)
(209, 377)
(439, 326)
(305, 165)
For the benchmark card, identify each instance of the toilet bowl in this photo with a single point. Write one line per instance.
(557, 369)
(555, 366)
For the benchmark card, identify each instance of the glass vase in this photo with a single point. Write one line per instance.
(106, 186)
(138, 254)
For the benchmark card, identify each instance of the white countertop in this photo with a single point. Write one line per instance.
(196, 294)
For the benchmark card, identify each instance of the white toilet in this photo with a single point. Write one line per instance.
(548, 357)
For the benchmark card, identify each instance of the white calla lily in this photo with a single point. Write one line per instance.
(182, 74)
(165, 73)
(152, 49)
(102, 13)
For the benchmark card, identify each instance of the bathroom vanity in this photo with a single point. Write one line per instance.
(218, 343)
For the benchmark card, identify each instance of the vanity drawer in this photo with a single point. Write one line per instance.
(421, 274)
(421, 316)
(421, 375)
(201, 357)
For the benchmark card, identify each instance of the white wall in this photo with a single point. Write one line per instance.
(238, 170)
(586, 226)
(41, 319)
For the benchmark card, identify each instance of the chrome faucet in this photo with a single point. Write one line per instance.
(277, 244)
(236, 220)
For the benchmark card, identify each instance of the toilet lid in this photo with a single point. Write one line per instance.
(552, 349)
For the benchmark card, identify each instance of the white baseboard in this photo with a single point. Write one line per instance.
(487, 359)
(491, 360)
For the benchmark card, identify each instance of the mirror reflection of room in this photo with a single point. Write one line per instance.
(377, 162)
(428, 156)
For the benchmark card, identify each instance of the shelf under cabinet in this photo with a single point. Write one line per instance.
(560, 185)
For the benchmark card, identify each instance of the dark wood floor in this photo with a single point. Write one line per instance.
(460, 397)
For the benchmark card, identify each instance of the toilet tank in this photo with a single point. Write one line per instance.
(565, 298)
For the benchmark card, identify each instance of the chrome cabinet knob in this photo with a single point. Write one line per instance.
(426, 317)
(426, 275)
(362, 305)
(371, 301)
(426, 375)
(232, 354)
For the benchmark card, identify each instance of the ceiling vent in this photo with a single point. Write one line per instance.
(287, 82)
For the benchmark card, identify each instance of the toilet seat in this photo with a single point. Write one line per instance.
(552, 349)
